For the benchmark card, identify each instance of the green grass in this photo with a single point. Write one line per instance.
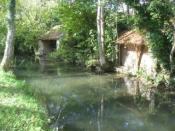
(19, 110)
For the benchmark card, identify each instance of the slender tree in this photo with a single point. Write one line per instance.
(172, 53)
(100, 32)
(9, 47)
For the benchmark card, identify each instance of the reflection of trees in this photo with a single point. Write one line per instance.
(98, 103)
(55, 111)
(43, 63)
(122, 111)
(152, 101)
(100, 114)
(137, 93)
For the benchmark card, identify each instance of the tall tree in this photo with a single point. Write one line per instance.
(100, 32)
(172, 53)
(9, 47)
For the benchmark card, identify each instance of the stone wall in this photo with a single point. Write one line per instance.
(128, 60)
(148, 63)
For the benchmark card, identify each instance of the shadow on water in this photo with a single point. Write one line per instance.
(77, 100)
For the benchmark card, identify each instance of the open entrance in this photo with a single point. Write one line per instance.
(122, 54)
(49, 45)
(52, 45)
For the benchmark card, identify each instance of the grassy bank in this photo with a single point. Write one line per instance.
(19, 110)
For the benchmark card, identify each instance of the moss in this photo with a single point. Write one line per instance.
(19, 110)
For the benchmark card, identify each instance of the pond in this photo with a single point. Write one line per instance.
(77, 100)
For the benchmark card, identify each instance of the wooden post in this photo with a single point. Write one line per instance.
(139, 52)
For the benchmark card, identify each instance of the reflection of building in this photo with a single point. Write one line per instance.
(49, 41)
(134, 53)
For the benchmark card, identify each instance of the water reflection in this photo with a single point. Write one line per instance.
(77, 100)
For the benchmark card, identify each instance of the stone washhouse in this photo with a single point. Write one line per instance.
(49, 42)
(134, 54)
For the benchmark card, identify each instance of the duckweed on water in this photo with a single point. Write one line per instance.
(19, 110)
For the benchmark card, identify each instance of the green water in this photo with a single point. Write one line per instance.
(78, 100)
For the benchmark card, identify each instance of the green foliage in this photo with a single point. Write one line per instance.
(2, 30)
(160, 30)
(78, 22)
(115, 23)
(78, 17)
(31, 23)
(110, 35)
(18, 108)
(26, 38)
(92, 63)
(158, 45)
(153, 18)
(141, 73)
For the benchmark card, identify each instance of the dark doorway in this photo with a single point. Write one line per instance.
(52, 45)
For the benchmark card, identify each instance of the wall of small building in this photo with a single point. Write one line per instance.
(128, 59)
(148, 63)
(57, 44)
(41, 47)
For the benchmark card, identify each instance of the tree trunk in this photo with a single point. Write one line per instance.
(128, 11)
(100, 32)
(172, 55)
(9, 47)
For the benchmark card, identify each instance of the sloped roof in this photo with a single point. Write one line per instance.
(53, 34)
(131, 37)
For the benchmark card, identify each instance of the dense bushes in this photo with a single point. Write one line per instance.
(31, 22)
(159, 45)
(153, 19)
(78, 23)
(79, 44)
(26, 38)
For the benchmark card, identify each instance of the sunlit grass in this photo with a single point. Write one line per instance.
(19, 110)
